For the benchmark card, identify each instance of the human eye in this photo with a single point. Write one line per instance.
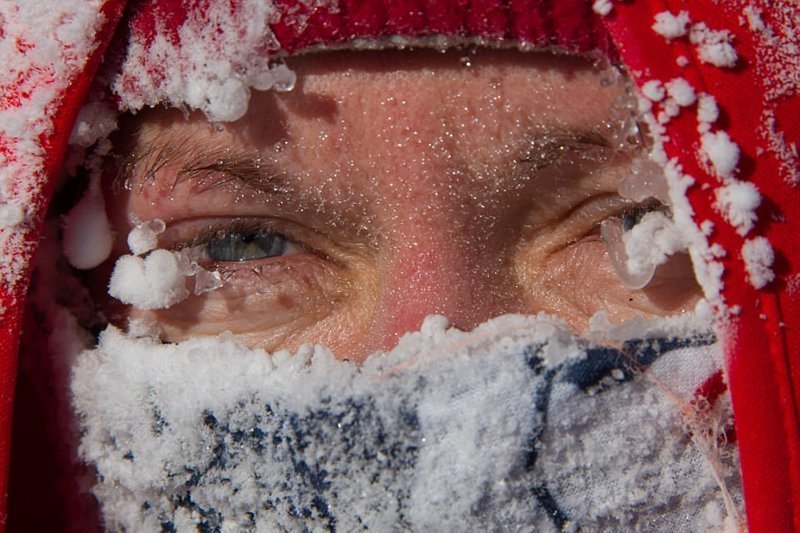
(256, 275)
(239, 242)
(615, 255)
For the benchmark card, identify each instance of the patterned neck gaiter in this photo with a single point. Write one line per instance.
(515, 425)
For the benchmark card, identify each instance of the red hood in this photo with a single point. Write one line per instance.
(756, 95)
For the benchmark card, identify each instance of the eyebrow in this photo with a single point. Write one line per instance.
(545, 148)
(201, 164)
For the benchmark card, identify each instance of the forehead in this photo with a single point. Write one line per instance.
(381, 119)
(463, 93)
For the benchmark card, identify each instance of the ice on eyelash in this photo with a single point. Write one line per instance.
(157, 280)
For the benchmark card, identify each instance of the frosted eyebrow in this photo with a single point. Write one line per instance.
(239, 169)
(195, 161)
(544, 149)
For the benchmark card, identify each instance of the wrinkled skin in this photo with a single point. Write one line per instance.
(407, 184)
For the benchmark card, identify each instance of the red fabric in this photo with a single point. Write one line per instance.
(763, 341)
(14, 300)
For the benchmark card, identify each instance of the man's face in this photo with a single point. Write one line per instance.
(389, 186)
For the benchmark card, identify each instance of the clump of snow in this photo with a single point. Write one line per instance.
(707, 112)
(654, 90)
(671, 26)
(219, 54)
(713, 46)
(651, 241)
(682, 61)
(758, 257)
(602, 7)
(721, 151)
(681, 91)
(144, 236)
(754, 20)
(156, 281)
(737, 201)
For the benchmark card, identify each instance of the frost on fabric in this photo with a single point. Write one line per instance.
(602, 7)
(671, 26)
(721, 152)
(223, 51)
(516, 424)
(737, 201)
(57, 39)
(758, 257)
(681, 91)
(713, 46)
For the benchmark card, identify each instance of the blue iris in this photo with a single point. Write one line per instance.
(246, 246)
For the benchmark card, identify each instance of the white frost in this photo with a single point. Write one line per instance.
(721, 151)
(758, 257)
(713, 46)
(671, 26)
(737, 201)
(654, 90)
(602, 7)
(223, 52)
(10, 215)
(681, 91)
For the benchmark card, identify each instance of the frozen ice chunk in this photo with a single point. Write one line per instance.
(206, 281)
(154, 282)
(646, 180)
(88, 238)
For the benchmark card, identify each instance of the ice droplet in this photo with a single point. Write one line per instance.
(611, 231)
(284, 78)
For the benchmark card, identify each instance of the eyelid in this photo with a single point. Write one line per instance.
(193, 233)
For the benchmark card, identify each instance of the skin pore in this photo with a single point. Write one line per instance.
(388, 186)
